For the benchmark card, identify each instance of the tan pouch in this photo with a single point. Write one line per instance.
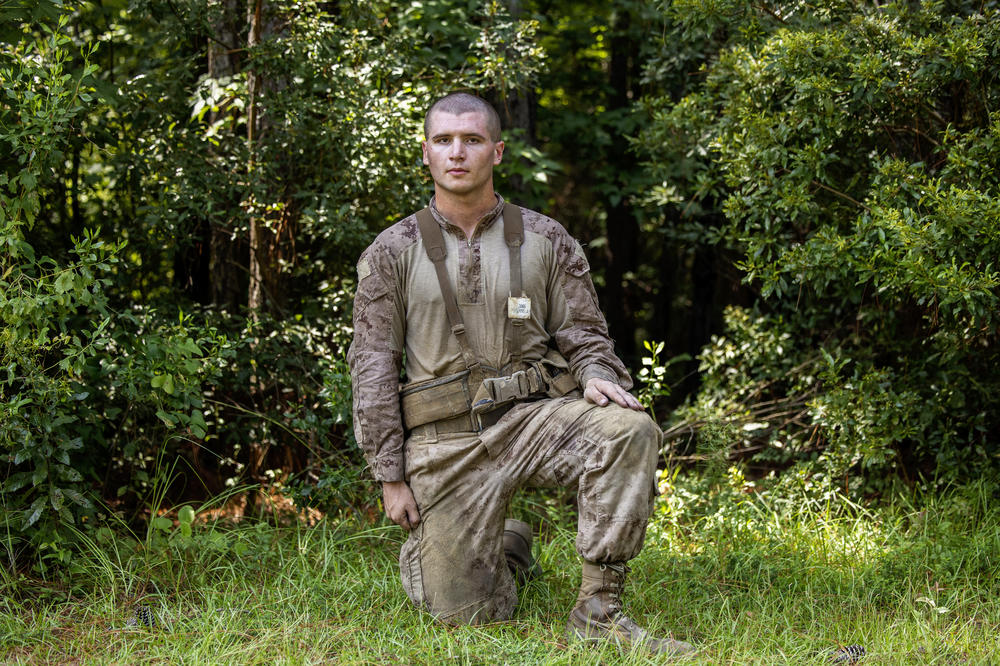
(435, 399)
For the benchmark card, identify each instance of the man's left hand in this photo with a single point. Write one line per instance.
(601, 392)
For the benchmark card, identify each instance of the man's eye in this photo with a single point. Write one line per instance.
(472, 140)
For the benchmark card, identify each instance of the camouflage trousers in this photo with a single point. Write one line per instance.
(453, 565)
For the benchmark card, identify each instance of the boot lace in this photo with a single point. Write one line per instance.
(613, 586)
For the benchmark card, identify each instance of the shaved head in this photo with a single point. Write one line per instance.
(458, 103)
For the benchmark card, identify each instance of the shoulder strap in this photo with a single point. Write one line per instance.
(513, 235)
(433, 237)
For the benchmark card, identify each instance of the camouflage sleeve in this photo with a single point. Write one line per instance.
(375, 359)
(582, 332)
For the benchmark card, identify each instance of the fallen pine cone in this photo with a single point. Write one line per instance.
(143, 616)
(848, 654)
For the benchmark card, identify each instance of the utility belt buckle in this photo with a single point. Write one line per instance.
(503, 394)
(501, 390)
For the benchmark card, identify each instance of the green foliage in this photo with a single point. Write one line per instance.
(71, 363)
(653, 378)
(181, 209)
(854, 153)
(54, 311)
(119, 354)
(532, 170)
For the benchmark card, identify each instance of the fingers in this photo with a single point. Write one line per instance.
(405, 517)
(408, 517)
(393, 515)
(632, 402)
(595, 396)
(400, 505)
(601, 392)
(626, 399)
(413, 517)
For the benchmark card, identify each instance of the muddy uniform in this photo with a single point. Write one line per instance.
(462, 480)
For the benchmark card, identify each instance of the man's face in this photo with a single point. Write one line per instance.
(460, 153)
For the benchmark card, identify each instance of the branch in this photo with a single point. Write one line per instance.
(767, 10)
(841, 195)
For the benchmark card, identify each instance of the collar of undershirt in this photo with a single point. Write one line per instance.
(484, 222)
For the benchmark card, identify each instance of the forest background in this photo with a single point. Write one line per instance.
(791, 210)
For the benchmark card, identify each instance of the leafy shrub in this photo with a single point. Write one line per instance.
(854, 152)
(118, 356)
(54, 310)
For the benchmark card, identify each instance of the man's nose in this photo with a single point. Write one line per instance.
(457, 150)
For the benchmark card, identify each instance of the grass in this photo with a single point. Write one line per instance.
(749, 584)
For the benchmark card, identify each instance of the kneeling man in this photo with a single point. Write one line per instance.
(511, 381)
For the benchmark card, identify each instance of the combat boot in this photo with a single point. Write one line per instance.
(598, 615)
(517, 551)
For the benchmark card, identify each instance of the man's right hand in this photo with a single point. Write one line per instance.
(399, 504)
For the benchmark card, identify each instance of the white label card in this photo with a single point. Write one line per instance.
(518, 307)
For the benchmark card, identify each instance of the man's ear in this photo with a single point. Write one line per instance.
(498, 152)
(423, 149)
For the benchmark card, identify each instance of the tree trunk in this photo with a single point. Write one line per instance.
(267, 227)
(622, 226)
(270, 216)
(255, 295)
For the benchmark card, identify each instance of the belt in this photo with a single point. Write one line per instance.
(462, 423)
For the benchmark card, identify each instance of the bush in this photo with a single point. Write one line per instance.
(854, 152)
(212, 330)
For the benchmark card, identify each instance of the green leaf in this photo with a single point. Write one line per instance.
(70, 474)
(162, 523)
(16, 482)
(25, 250)
(34, 513)
(185, 515)
(76, 497)
(197, 424)
(189, 346)
(169, 419)
(64, 282)
(39, 473)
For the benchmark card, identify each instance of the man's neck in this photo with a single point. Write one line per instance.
(465, 213)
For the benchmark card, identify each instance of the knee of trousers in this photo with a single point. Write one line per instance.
(637, 438)
(445, 599)
(467, 591)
